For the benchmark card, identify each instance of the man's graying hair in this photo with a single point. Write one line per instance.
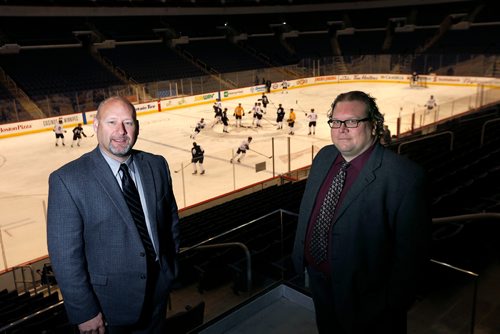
(372, 109)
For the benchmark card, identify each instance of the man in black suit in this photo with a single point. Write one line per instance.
(377, 235)
(114, 262)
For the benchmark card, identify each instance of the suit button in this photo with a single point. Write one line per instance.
(142, 276)
(142, 254)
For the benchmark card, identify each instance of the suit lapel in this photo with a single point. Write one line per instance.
(365, 177)
(149, 187)
(107, 180)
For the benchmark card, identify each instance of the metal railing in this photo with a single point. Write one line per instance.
(452, 138)
(475, 276)
(205, 244)
(483, 129)
(13, 325)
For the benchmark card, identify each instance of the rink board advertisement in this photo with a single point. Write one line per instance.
(21, 128)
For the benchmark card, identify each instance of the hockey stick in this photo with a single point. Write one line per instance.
(260, 153)
(177, 171)
(272, 103)
(265, 119)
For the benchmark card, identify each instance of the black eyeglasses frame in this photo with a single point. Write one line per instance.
(351, 126)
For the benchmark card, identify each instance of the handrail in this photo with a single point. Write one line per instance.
(474, 293)
(237, 228)
(461, 218)
(5, 328)
(452, 138)
(472, 216)
(203, 244)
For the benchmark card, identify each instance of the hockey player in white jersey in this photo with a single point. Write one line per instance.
(59, 131)
(285, 86)
(242, 150)
(255, 111)
(258, 113)
(199, 126)
(312, 117)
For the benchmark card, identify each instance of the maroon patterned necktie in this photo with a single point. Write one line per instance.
(319, 239)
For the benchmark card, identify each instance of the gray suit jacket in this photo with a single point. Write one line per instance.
(379, 237)
(95, 249)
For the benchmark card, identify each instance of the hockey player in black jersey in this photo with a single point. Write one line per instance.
(198, 154)
(280, 114)
(77, 134)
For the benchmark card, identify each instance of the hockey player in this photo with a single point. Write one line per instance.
(258, 113)
(218, 112)
(198, 154)
(291, 121)
(265, 101)
(77, 134)
(312, 117)
(242, 150)
(255, 110)
(414, 79)
(218, 104)
(239, 112)
(225, 121)
(431, 104)
(284, 85)
(280, 114)
(59, 131)
(199, 126)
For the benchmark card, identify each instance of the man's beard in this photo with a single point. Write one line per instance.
(123, 152)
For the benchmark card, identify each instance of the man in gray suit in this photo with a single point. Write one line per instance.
(109, 278)
(364, 277)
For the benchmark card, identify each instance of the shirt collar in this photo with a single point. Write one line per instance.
(115, 164)
(359, 161)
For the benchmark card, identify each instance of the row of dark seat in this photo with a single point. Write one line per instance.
(14, 306)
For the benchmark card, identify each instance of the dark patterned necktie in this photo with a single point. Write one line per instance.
(134, 204)
(319, 239)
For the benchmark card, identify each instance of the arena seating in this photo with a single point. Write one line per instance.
(157, 62)
(466, 179)
(14, 307)
(222, 55)
(312, 45)
(271, 47)
(43, 72)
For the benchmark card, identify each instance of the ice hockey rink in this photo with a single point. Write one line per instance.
(26, 161)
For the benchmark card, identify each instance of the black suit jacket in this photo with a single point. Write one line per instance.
(379, 237)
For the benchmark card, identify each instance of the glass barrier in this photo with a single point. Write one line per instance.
(24, 237)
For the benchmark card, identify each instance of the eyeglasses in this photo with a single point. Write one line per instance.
(349, 123)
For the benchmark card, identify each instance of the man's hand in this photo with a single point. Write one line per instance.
(93, 326)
